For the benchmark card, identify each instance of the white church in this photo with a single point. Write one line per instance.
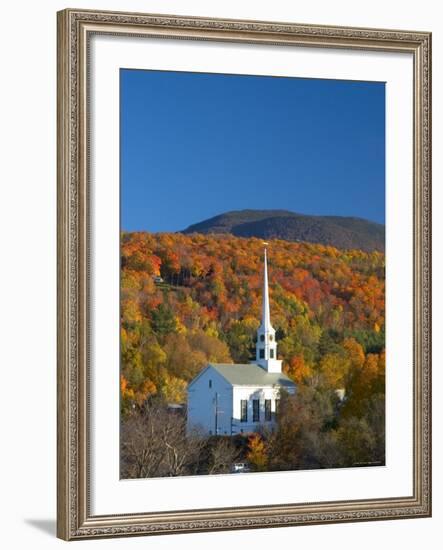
(231, 399)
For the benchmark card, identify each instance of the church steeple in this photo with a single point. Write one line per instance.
(266, 314)
(266, 351)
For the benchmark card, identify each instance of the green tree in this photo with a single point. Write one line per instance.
(329, 342)
(163, 320)
(240, 339)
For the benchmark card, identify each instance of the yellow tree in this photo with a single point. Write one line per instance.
(173, 389)
(146, 389)
(334, 368)
(257, 454)
(354, 352)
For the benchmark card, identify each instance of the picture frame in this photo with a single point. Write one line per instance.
(77, 208)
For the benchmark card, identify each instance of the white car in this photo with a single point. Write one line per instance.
(240, 468)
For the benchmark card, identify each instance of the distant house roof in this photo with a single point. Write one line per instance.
(250, 374)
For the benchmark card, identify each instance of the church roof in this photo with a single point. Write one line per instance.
(250, 374)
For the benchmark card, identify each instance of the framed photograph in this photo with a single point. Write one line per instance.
(243, 274)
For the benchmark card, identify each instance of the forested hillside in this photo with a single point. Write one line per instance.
(190, 299)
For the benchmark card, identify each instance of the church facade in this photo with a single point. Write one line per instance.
(231, 399)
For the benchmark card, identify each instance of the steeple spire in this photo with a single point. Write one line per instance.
(266, 351)
(266, 315)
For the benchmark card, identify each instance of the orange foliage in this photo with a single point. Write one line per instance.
(297, 369)
(211, 285)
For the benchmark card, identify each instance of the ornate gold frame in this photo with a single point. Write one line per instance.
(74, 30)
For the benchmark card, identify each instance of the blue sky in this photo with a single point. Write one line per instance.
(195, 145)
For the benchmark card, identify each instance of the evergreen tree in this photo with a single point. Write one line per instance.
(163, 320)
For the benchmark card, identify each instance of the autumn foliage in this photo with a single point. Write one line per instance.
(187, 300)
(190, 299)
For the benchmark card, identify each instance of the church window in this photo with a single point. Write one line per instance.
(271, 353)
(268, 410)
(255, 410)
(262, 353)
(244, 410)
(210, 383)
(262, 337)
(271, 337)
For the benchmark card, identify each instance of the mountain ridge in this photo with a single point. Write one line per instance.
(345, 232)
